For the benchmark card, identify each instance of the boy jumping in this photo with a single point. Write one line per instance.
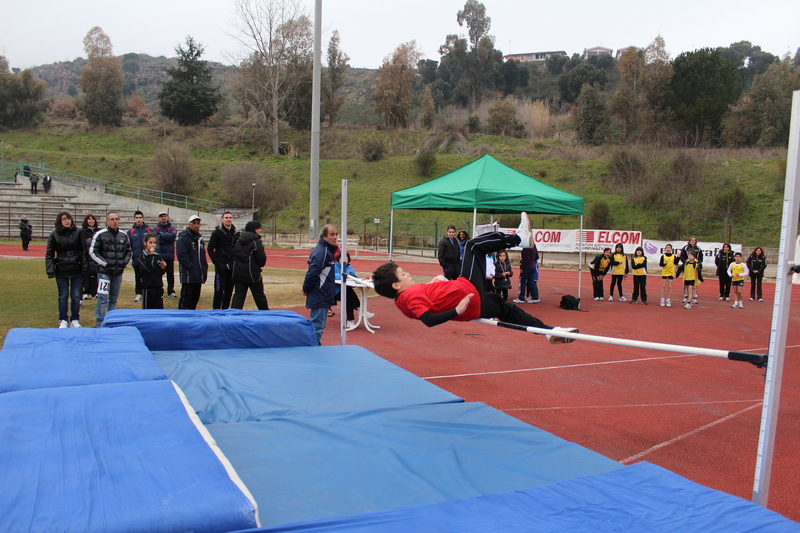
(464, 298)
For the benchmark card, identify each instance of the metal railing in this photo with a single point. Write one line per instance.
(7, 170)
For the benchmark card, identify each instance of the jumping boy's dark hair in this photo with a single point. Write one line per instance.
(383, 278)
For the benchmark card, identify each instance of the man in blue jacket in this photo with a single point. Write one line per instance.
(319, 285)
(192, 264)
(167, 233)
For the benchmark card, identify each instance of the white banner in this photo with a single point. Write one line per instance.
(654, 249)
(594, 240)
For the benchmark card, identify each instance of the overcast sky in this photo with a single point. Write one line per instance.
(35, 32)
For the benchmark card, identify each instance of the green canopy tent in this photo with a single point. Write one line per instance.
(486, 186)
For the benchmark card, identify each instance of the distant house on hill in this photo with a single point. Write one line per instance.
(622, 51)
(534, 57)
(596, 51)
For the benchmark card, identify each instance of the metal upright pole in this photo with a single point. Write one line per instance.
(342, 261)
(316, 92)
(780, 312)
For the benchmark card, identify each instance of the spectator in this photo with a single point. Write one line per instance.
(319, 284)
(528, 268)
(34, 179)
(351, 298)
(463, 237)
(191, 263)
(65, 260)
(248, 258)
(46, 183)
(111, 250)
(723, 260)
(691, 246)
(756, 264)
(136, 235)
(220, 250)
(88, 229)
(619, 271)
(502, 274)
(449, 254)
(599, 268)
(152, 274)
(25, 232)
(167, 233)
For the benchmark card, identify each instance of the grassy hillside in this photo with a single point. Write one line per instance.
(123, 155)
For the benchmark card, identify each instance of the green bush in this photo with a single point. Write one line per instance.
(600, 215)
(373, 146)
(425, 162)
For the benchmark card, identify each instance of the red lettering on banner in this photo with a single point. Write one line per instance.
(548, 236)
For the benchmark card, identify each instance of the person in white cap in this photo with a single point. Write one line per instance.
(192, 264)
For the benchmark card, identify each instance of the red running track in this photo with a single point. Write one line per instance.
(697, 416)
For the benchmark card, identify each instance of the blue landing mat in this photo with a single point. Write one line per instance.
(310, 467)
(114, 458)
(40, 358)
(641, 498)
(170, 329)
(256, 384)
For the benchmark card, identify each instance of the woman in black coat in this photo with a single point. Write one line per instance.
(89, 228)
(756, 264)
(65, 260)
(249, 258)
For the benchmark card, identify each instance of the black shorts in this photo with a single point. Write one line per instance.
(666, 277)
(738, 283)
(689, 282)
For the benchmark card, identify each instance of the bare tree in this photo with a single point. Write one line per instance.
(276, 35)
(172, 167)
(271, 193)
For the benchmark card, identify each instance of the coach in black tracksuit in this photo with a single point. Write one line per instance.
(248, 260)
(449, 254)
(192, 263)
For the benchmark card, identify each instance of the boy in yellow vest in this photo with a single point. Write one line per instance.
(737, 272)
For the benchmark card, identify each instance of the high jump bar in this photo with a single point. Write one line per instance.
(760, 360)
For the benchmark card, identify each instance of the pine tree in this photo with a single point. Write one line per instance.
(189, 97)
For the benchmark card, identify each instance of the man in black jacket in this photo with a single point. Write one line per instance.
(449, 254)
(220, 250)
(192, 264)
(248, 260)
(111, 250)
(25, 232)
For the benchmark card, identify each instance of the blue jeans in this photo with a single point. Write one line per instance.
(319, 317)
(527, 280)
(69, 288)
(106, 299)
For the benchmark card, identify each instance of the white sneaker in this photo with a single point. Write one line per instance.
(727, 299)
(518, 301)
(367, 314)
(669, 302)
(741, 304)
(623, 299)
(524, 230)
(85, 297)
(75, 324)
(138, 298)
(721, 298)
(610, 298)
(760, 299)
(63, 324)
(350, 326)
(735, 305)
(173, 295)
(694, 301)
(685, 300)
(533, 301)
(662, 302)
(561, 340)
(687, 306)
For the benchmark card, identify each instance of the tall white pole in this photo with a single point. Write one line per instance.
(342, 261)
(780, 312)
(316, 92)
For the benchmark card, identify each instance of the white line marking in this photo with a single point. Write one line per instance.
(560, 366)
(670, 404)
(689, 434)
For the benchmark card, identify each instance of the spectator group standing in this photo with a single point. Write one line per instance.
(65, 260)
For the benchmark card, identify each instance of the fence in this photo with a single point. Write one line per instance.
(7, 170)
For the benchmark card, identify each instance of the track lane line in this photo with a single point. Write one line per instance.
(668, 404)
(689, 434)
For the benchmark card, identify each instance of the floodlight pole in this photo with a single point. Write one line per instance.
(780, 312)
(316, 92)
(253, 203)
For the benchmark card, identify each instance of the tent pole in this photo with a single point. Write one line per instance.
(474, 221)
(390, 244)
(580, 257)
